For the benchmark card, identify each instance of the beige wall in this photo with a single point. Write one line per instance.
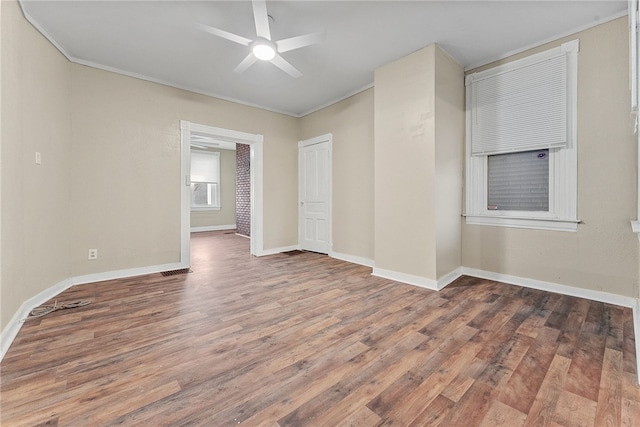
(110, 176)
(449, 153)
(603, 254)
(2, 321)
(227, 213)
(110, 173)
(36, 116)
(126, 162)
(419, 134)
(405, 223)
(351, 123)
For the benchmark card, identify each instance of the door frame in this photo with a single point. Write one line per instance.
(328, 138)
(255, 141)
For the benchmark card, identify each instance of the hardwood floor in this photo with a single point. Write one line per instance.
(297, 340)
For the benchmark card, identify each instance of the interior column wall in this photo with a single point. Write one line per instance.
(405, 223)
(419, 140)
(449, 152)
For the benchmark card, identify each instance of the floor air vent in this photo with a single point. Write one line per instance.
(174, 272)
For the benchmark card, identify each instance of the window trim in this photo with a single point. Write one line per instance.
(563, 163)
(634, 75)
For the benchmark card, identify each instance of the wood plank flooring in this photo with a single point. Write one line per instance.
(306, 340)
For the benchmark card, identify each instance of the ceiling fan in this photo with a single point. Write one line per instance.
(203, 142)
(263, 47)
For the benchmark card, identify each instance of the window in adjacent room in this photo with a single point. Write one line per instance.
(521, 142)
(205, 180)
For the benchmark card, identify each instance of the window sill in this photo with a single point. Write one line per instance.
(522, 222)
(200, 209)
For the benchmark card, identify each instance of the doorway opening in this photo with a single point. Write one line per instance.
(205, 137)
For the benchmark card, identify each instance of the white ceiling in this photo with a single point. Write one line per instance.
(159, 40)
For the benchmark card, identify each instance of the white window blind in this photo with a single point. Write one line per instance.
(205, 180)
(204, 167)
(522, 108)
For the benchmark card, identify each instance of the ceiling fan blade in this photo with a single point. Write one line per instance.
(262, 18)
(297, 42)
(281, 63)
(195, 138)
(225, 35)
(202, 147)
(246, 63)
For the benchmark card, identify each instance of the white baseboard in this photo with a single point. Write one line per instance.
(130, 272)
(409, 279)
(449, 278)
(423, 282)
(274, 251)
(636, 333)
(10, 332)
(212, 228)
(605, 297)
(443, 281)
(552, 287)
(352, 259)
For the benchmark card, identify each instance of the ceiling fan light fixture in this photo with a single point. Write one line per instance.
(263, 48)
(263, 51)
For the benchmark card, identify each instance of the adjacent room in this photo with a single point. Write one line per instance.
(294, 213)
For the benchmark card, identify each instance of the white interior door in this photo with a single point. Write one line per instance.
(315, 194)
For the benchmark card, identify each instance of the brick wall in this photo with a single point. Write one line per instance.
(243, 189)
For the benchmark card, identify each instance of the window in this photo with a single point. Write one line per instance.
(519, 181)
(521, 142)
(205, 180)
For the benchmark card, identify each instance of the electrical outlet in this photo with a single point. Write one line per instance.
(93, 254)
